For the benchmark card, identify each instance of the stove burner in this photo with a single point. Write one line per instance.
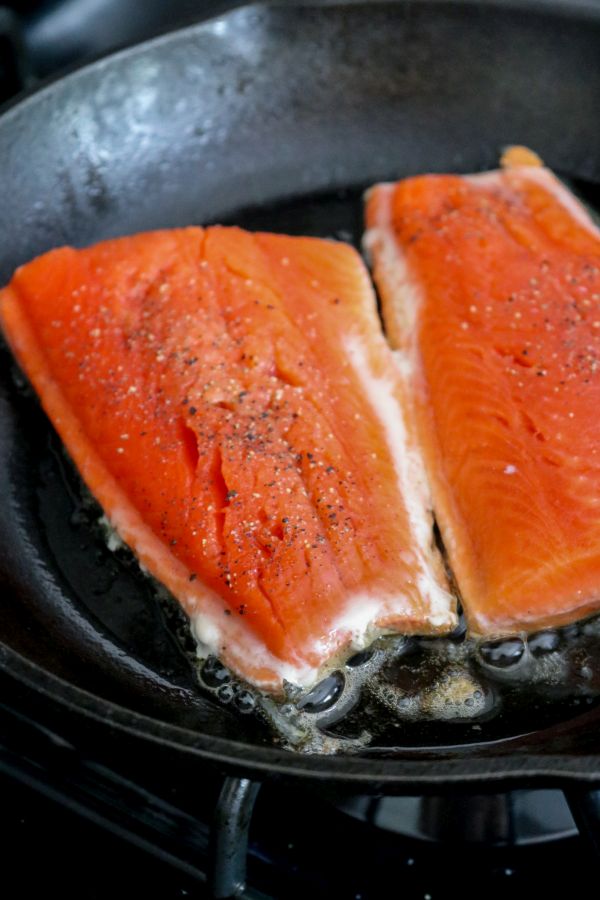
(516, 818)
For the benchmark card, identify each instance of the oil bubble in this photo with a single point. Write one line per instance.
(244, 701)
(324, 694)
(544, 642)
(226, 693)
(454, 691)
(502, 654)
(571, 631)
(214, 673)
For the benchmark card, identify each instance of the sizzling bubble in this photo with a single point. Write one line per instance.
(501, 654)
(406, 690)
(226, 693)
(323, 696)
(213, 673)
(544, 642)
(245, 701)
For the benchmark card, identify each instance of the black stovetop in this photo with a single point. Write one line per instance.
(75, 825)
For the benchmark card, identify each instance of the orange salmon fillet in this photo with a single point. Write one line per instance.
(491, 291)
(231, 402)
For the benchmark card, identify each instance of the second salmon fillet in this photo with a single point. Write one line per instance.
(231, 402)
(491, 292)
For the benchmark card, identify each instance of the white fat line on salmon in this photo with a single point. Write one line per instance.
(230, 638)
(392, 261)
(353, 630)
(213, 631)
(406, 294)
(356, 624)
(358, 621)
(216, 632)
(410, 471)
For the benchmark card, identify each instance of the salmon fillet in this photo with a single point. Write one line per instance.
(231, 402)
(491, 291)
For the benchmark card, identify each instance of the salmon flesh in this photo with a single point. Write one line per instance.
(230, 401)
(490, 287)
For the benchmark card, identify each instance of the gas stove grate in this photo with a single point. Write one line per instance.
(215, 847)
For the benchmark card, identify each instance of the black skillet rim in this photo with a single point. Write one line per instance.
(437, 768)
(438, 771)
(564, 8)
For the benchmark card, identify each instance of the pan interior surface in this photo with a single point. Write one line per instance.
(273, 119)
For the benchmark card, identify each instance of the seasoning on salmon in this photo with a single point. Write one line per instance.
(231, 402)
(491, 289)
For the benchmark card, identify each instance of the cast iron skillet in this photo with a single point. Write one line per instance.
(262, 116)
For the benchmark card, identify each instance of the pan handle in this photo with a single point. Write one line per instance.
(585, 809)
(229, 838)
(15, 74)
